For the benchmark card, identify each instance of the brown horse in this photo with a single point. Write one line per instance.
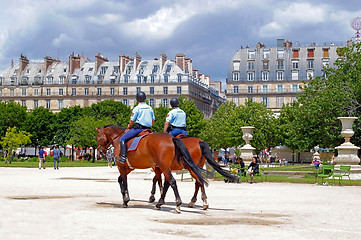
(157, 149)
(200, 153)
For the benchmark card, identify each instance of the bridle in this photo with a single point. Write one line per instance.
(104, 138)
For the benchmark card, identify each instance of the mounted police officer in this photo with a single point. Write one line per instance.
(143, 116)
(175, 123)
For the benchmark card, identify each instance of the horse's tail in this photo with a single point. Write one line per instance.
(206, 152)
(184, 156)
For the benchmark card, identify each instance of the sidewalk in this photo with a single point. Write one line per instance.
(85, 203)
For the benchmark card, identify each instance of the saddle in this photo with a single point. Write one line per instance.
(132, 144)
(181, 136)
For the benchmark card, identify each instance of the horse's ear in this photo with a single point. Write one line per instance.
(98, 130)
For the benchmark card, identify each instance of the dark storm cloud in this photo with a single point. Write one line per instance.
(209, 32)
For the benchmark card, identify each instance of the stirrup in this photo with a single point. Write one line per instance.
(122, 159)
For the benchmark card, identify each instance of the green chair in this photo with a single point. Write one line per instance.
(239, 172)
(326, 172)
(260, 173)
(183, 172)
(344, 171)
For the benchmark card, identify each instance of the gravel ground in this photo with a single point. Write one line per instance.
(85, 203)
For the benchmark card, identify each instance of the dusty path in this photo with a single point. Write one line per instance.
(85, 203)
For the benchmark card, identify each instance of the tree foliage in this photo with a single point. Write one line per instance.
(224, 129)
(195, 121)
(11, 115)
(83, 133)
(39, 123)
(111, 109)
(62, 123)
(312, 120)
(160, 114)
(14, 139)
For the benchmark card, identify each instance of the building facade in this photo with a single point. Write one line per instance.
(54, 84)
(274, 75)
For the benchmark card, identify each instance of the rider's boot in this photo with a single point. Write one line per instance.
(123, 152)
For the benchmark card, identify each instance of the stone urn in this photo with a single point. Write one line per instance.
(316, 155)
(247, 149)
(347, 152)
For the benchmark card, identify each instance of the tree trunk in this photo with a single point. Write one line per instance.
(93, 154)
(72, 152)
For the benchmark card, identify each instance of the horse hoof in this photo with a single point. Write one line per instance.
(151, 199)
(191, 204)
(125, 205)
(156, 208)
(205, 207)
(177, 210)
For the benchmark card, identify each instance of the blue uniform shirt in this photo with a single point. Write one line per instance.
(177, 117)
(143, 114)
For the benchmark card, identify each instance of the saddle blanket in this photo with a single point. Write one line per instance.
(134, 144)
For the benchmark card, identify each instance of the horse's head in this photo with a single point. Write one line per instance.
(106, 136)
(102, 141)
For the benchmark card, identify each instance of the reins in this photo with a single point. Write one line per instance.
(112, 140)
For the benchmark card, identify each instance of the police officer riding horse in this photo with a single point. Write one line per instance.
(175, 122)
(143, 116)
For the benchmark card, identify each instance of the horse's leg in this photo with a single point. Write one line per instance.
(172, 182)
(157, 178)
(194, 198)
(162, 196)
(204, 197)
(124, 189)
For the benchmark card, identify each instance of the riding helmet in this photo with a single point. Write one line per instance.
(174, 102)
(141, 96)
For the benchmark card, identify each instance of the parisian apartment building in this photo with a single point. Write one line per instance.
(55, 85)
(274, 75)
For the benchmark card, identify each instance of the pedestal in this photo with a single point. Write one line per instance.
(347, 152)
(247, 150)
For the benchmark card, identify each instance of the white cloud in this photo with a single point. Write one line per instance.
(105, 19)
(62, 38)
(293, 16)
(164, 22)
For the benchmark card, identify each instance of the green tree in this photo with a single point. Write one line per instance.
(11, 115)
(39, 123)
(262, 119)
(62, 123)
(14, 139)
(115, 110)
(160, 114)
(195, 121)
(219, 130)
(83, 133)
(336, 93)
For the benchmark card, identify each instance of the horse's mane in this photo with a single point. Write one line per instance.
(112, 125)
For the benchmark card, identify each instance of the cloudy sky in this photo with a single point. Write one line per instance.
(207, 31)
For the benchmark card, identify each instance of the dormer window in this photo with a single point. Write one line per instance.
(169, 67)
(129, 69)
(155, 68)
(103, 70)
(74, 79)
(61, 79)
(49, 79)
(24, 80)
(12, 80)
(87, 79)
(37, 80)
(141, 69)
